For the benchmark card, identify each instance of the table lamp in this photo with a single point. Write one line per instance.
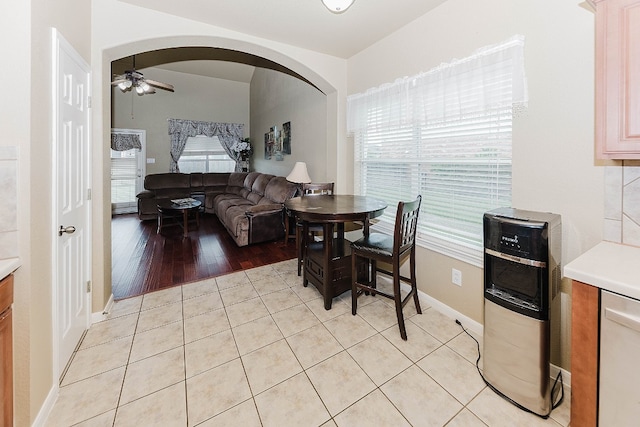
(299, 175)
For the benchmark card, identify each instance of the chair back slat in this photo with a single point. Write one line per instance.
(406, 225)
(315, 189)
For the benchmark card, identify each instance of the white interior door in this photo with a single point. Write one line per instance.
(71, 197)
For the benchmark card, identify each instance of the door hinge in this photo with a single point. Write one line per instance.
(88, 194)
(88, 286)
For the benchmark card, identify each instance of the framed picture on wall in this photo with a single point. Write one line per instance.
(286, 138)
(268, 146)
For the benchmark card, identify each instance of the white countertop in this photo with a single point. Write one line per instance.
(609, 266)
(8, 266)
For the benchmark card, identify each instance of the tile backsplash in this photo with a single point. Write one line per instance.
(622, 203)
(9, 205)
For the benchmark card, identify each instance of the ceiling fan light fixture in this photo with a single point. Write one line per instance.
(140, 90)
(145, 87)
(337, 6)
(124, 85)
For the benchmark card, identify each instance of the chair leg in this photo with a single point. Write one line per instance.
(414, 285)
(398, 300)
(299, 243)
(373, 282)
(354, 285)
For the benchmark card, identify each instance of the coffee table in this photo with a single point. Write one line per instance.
(169, 209)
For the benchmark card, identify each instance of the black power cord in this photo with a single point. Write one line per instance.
(554, 392)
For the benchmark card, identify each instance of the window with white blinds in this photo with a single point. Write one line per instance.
(205, 154)
(446, 135)
(124, 172)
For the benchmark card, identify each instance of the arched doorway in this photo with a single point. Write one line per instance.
(273, 59)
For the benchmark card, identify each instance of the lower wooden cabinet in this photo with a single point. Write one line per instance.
(6, 352)
(585, 312)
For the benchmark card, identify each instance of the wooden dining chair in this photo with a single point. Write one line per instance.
(310, 189)
(393, 250)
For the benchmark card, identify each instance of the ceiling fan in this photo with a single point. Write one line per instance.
(132, 79)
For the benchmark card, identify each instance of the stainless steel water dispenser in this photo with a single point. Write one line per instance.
(522, 273)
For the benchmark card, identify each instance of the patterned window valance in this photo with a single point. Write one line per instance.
(125, 141)
(180, 130)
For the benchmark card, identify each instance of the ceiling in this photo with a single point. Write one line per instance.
(303, 23)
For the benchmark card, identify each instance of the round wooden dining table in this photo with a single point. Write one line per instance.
(327, 264)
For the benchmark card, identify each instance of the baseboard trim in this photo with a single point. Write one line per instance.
(478, 329)
(100, 316)
(566, 375)
(467, 322)
(47, 407)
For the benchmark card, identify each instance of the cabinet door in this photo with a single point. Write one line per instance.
(6, 369)
(618, 79)
(6, 352)
(619, 349)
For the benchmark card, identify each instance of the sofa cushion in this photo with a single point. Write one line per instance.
(217, 179)
(236, 220)
(253, 197)
(146, 194)
(260, 184)
(223, 202)
(161, 181)
(236, 183)
(196, 181)
(236, 179)
(280, 190)
(250, 179)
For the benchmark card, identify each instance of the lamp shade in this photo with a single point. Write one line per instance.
(337, 6)
(299, 173)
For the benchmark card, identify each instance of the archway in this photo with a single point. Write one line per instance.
(101, 172)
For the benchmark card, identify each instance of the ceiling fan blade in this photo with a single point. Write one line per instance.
(159, 85)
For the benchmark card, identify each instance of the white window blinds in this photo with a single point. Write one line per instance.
(205, 154)
(444, 134)
(124, 171)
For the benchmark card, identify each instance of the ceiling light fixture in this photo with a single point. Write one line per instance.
(132, 79)
(337, 6)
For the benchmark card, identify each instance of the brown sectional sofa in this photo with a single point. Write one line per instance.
(249, 205)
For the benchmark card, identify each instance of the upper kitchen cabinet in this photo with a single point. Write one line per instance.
(617, 79)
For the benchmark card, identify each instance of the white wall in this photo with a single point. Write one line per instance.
(553, 139)
(195, 98)
(25, 120)
(277, 98)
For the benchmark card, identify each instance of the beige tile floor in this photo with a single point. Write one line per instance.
(256, 348)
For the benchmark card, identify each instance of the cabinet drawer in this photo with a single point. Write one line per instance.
(6, 293)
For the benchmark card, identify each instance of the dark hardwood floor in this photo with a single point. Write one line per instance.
(144, 261)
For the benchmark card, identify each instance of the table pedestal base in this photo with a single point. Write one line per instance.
(337, 278)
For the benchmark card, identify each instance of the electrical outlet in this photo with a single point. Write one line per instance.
(456, 277)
